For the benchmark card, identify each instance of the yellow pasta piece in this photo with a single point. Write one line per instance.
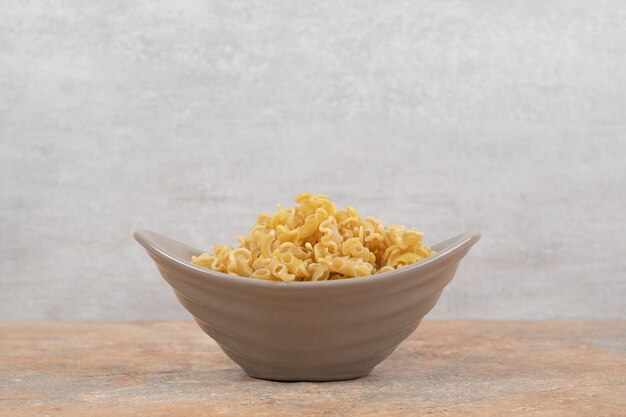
(279, 270)
(239, 262)
(262, 273)
(286, 235)
(350, 267)
(318, 272)
(312, 222)
(315, 241)
(354, 247)
(208, 261)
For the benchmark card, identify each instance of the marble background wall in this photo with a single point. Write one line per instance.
(191, 117)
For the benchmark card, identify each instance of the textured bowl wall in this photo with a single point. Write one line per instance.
(307, 331)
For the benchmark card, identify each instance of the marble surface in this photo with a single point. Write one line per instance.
(191, 117)
(446, 368)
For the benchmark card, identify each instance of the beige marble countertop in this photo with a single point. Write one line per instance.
(446, 368)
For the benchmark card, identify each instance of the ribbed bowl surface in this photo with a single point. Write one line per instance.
(307, 331)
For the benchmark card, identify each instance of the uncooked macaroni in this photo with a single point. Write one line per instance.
(314, 241)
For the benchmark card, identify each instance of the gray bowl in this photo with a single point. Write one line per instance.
(307, 331)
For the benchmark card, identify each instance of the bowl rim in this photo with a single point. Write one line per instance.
(147, 239)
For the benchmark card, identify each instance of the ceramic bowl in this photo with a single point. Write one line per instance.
(307, 331)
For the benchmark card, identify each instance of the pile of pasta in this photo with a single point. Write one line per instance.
(314, 241)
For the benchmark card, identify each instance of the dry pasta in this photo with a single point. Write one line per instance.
(315, 241)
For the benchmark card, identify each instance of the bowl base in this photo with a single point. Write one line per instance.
(308, 378)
